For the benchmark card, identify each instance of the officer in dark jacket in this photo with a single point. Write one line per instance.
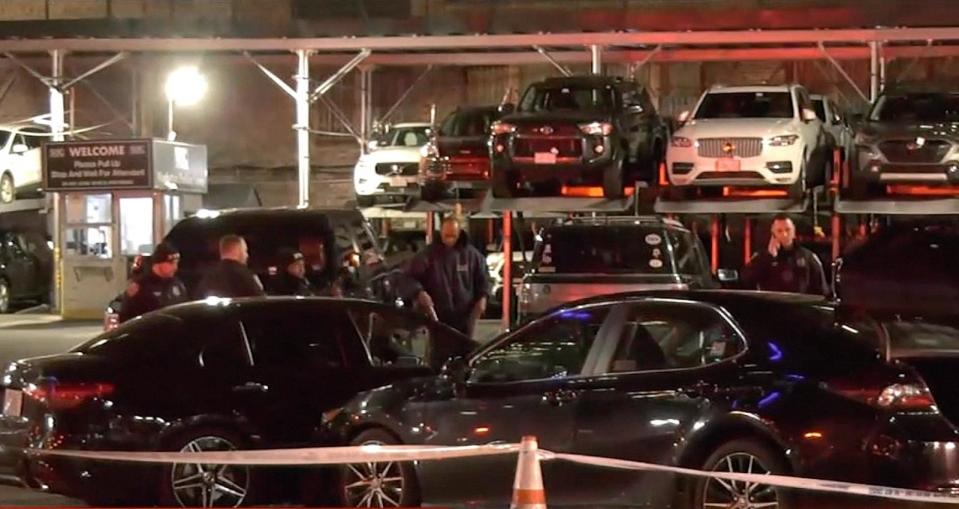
(785, 266)
(451, 279)
(230, 278)
(290, 278)
(157, 288)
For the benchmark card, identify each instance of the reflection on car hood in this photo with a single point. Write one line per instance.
(393, 155)
(738, 128)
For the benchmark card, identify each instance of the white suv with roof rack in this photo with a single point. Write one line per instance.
(750, 136)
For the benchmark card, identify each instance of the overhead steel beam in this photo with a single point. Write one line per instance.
(7, 86)
(406, 94)
(426, 42)
(339, 75)
(647, 59)
(30, 70)
(549, 58)
(112, 60)
(270, 74)
(118, 115)
(843, 72)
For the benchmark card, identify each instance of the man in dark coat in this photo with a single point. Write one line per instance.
(156, 288)
(230, 278)
(451, 279)
(290, 278)
(785, 266)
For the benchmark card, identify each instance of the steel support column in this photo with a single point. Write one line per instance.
(303, 125)
(873, 70)
(366, 105)
(714, 244)
(507, 267)
(597, 58)
(549, 58)
(747, 240)
(57, 106)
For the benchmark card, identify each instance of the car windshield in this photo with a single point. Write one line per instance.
(819, 106)
(568, 98)
(407, 137)
(911, 108)
(746, 105)
(467, 123)
(914, 337)
(603, 250)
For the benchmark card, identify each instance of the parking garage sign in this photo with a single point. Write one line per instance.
(110, 164)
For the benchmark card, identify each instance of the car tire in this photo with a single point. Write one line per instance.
(365, 201)
(186, 485)
(397, 485)
(8, 190)
(503, 184)
(613, 180)
(742, 456)
(5, 297)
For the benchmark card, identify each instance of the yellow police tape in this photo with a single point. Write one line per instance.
(379, 453)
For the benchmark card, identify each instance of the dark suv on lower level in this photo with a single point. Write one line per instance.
(910, 137)
(588, 130)
(582, 258)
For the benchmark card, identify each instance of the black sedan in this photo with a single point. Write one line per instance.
(714, 380)
(210, 375)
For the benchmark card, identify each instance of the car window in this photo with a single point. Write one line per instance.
(556, 346)
(298, 338)
(409, 137)
(819, 105)
(917, 107)
(33, 141)
(746, 105)
(805, 103)
(394, 338)
(155, 337)
(467, 123)
(688, 252)
(607, 249)
(659, 336)
(571, 97)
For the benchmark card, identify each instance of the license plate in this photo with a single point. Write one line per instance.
(397, 182)
(12, 403)
(544, 158)
(728, 165)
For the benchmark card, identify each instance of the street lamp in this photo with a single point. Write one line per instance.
(184, 86)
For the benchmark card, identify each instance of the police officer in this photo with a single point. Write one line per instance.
(231, 278)
(291, 275)
(157, 288)
(785, 266)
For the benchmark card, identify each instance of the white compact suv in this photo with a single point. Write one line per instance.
(20, 161)
(391, 168)
(750, 136)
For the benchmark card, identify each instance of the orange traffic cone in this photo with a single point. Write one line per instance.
(528, 490)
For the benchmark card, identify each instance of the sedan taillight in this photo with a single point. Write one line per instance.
(903, 397)
(66, 396)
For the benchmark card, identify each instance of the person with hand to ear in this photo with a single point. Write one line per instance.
(785, 266)
(450, 279)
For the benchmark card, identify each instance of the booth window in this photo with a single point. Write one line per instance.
(89, 229)
(136, 226)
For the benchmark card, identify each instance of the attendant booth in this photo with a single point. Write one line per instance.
(116, 199)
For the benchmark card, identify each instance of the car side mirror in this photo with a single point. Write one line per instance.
(19, 148)
(808, 115)
(727, 275)
(682, 117)
(456, 370)
(507, 108)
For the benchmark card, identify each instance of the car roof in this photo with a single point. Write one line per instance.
(721, 89)
(410, 124)
(585, 80)
(619, 221)
(717, 297)
(279, 212)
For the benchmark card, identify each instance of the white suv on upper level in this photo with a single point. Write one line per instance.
(750, 136)
(20, 161)
(391, 167)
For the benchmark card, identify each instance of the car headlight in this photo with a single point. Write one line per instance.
(681, 142)
(502, 128)
(597, 128)
(783, 141)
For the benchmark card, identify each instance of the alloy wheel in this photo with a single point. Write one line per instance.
(6, 189)
(4, 297)
(201, 485)
(720, 493)
(373, 484)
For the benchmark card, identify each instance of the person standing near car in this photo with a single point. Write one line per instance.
(231, 278)
(291, 275)
(450, 279)
(785, 266)
(157, 288)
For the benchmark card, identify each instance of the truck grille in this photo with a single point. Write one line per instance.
(405, 169)
(563, 147)
(740, 147)
(908, 151)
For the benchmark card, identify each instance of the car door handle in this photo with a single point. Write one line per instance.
(252, 387)
(560, 397)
